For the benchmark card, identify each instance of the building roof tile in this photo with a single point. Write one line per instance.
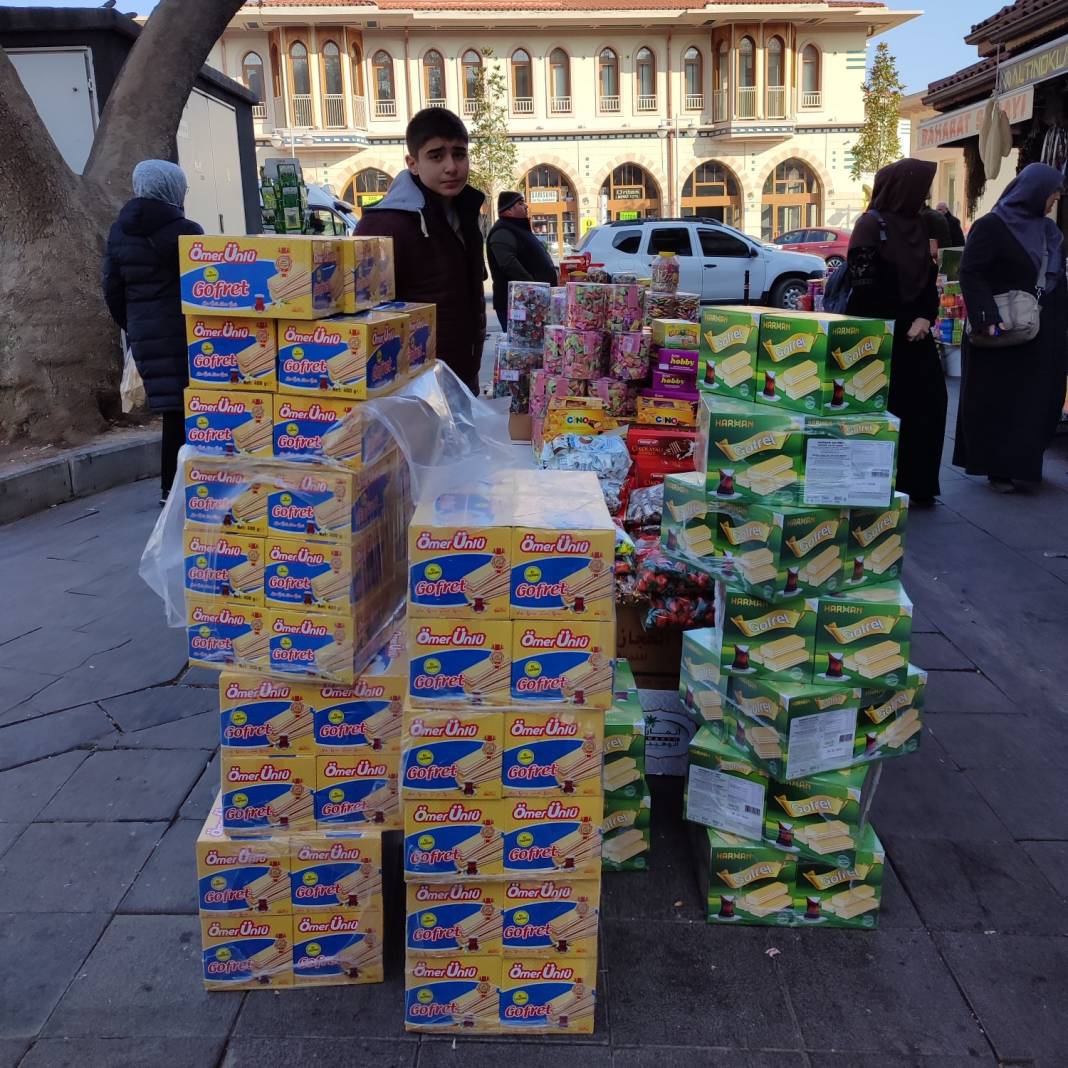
(550, 5)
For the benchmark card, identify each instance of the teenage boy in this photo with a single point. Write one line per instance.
(432, 214)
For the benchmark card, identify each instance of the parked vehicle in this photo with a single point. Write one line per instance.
(715, 260)
(831, 244)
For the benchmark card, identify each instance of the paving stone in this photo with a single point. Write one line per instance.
(128, 785)
(26, 790)
(1052, 859)
(48, 950)
(1000, 741)
(168, 881)
(937, 651)
(895, 996)
(922, 623)
(194, 675)
(11, 1051)
(1018, 986)
(198, 804)
(188, 1052)
(143, 979)
(46, 736)
(689, 1056)
(9, 833)
(256, 1052)
(74, 867)
(965, 691)
(924, 795)
(728, 970)
(966, 885)
(193, 732)
(56, 650)
(158, 705)
(894, 1060)
(524, 1051)
(1038, 811)
(896, 910)
(17, 686)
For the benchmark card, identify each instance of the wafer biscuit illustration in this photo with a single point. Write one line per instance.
(272, 960)
(764, 487)
(247, 577)
(823, 846)
(380, 803)
(385, 724)
(698, 541)
(253, 436)
(331, 587)
(593, 583)
(901, 730)
(334, 660)
(250, 505)
(292, 726)
(623, 846)
(285, 287)
(853, 902)
(255, 360)
(484, 926)
(567, 1009)
(487, 583)
(870, 389)
(574, 850)
(764, 740)
(734, 370)
(593, 677)
(885, 556)
(478, 850)
(780, 654)
(252, 647)
(822, 566)
(709, 703)
(768, 899)
(578, 766)
(332, 513)
(346, 439)
(618, 773)
(261, 893)
(490, 677)
(573, 925)
(863, 379)
(360, 887)
(365, 955)
(480, 1005)
(346, 367)
(483, 765)
(295, 809)
(768, 469)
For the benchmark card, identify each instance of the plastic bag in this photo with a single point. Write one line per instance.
(131, 388)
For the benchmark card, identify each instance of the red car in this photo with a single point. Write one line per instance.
(832, 245)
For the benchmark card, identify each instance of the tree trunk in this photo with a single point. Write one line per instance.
(60, 362)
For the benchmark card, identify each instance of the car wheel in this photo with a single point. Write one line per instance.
(788, 293)
(833, 263)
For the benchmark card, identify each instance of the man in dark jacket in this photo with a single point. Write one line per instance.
(956, 231)
(514, 252)
(432, 215)
(141, 286)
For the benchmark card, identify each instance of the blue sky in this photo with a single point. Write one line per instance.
(928, 48)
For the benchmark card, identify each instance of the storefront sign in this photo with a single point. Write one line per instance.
(543, 196)
(626, 216)
(628, 192)
(958, 125)
(1044, 63)
(367, 199)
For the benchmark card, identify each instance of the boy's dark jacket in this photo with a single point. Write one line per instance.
(434, 266)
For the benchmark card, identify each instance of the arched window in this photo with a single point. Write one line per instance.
(276, 71)
(367, 187)
(776, 78)
(357, 70)
(553, 207)
(693, 69)
(522, 82)
(608, 80)
(747, 99)
(434, 78)
(792, 199)
(712, 191)
(298, 61)
(385, 93)
(472, 71)
(332, 84)
(629, 193)
(645, 73)
(252, 74)
(811, 96)
(559, 81)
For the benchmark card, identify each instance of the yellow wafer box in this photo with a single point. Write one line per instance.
(454, 918)
(247, 952)
(551, 917)
(220, 422)
(451, 753)
(228, 353)
(358, 789)
(562, 662)
(310, 644)
(450, 839)
(337, 947)
(263, 714)
(266, 792)
(263, 276)
(556, 751)
(548, 996)
(452, 994)
(336, 869)
(220, 634)
(459, 661)
(559, 836)
(223, 565)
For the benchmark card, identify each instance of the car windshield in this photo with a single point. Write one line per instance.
(587, 237)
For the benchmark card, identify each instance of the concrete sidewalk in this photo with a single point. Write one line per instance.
(107, 764)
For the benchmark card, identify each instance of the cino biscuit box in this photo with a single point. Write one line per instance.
(267, 792)
(358, 789)
(246, 952)
(875, 544)
(555, 752)
(842, 897)
(749, 453)
(541, 996)
(563, 549)
(627, 833)
(459, 549)
(262, 276)
(723, 789)
(363, 715)
(452, 994)
(552, 836)
(228, 353)
(422, 321)
(220, 634)
(566, 662)
(226, 492)
(228, 423)
(356, 356)
(729, 340)
(863, 637)
(550, 917)
(451, 753)
(237, 877)
(223, 564)
(336, 870)
(454, 919)
(264, 715)
(770, 641)
(466, 661)
(336, 947)
(447, 839)
(744, 882)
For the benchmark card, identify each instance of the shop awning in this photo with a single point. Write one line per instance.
(955, 127)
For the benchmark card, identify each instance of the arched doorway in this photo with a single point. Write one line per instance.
(792, 198)
(630, 192)
(553, 208)
(712, 191)
(365, 188)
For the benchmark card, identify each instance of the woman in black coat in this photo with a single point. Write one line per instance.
(141, 287)
(1010, 399)
(893, 276)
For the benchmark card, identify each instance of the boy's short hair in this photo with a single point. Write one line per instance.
(434, 122)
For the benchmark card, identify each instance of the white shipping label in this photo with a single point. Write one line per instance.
(725, 802)
(823, 742)
(519, 314)
(857, 473)
(509, 375)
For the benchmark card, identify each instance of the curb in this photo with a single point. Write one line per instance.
(78, 472)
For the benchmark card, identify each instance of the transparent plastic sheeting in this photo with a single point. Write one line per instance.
(416, 443)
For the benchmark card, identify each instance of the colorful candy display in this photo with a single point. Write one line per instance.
(528, 312)
(586, 305)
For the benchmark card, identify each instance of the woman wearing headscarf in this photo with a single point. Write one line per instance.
(893, 276)
(141, 287)
(1010, 398)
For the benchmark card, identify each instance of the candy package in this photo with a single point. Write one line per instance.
(619, 397)
(557, 306)
(585, 305)
(528, 312)
(628, 356)
(582, 354)
(624, 308)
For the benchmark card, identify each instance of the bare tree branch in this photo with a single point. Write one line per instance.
(167, 56)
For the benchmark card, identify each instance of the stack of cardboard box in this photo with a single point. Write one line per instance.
(804, 683)
(511, 632)
(627, 804)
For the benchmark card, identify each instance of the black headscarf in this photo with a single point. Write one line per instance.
(1022, 207)
(898, 195)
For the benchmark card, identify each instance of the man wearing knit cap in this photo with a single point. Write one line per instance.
(514, 253)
